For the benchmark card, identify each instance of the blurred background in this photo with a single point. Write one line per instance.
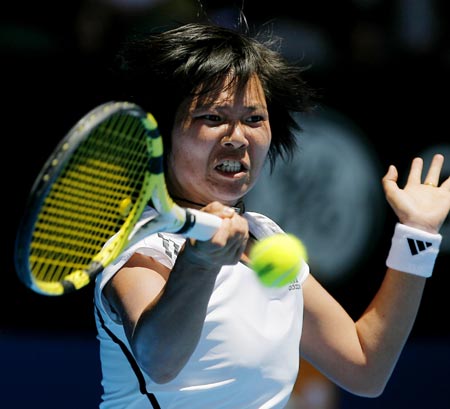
(382, 69)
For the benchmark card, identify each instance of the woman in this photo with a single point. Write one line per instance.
(185, 324)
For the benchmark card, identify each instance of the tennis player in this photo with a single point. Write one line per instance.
(185, 324)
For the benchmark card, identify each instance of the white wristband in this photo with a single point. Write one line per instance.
(413, 251)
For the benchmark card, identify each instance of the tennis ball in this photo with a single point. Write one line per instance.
(277, 259)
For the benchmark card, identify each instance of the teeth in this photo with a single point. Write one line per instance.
(229, 166)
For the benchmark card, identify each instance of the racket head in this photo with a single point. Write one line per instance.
(88, 197)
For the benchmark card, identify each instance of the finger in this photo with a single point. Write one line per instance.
(220, 210)
(390, 178)
(415, 172)
(235, 229)
(434, 171)
(391, 174)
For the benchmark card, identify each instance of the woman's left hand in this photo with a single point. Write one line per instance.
(423, 205)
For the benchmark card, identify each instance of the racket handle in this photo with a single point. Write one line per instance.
(202, 225)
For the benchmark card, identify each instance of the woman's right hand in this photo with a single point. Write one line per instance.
(227, 244)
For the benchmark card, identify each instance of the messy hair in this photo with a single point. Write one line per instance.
(159, 71)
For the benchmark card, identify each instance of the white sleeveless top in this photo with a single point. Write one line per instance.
(248, 352)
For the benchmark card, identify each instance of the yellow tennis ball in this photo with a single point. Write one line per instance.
(277, 259)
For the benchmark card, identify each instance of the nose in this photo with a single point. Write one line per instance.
(235, 138)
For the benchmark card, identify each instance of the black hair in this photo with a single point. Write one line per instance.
(160, 70)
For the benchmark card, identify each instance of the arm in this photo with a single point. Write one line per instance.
(360, 356)
(163, 311)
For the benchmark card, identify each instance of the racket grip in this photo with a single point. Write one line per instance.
(202, 225)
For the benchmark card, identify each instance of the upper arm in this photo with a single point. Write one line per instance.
(135, 288)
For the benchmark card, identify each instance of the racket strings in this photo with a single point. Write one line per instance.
(98, 193)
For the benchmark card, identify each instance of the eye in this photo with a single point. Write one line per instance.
(211, 118)
(255, 119)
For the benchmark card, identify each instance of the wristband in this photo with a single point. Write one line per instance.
(413, 251)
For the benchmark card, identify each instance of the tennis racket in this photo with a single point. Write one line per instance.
(86, 204)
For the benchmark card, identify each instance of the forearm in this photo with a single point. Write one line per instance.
(387, 322)
(360, 356)
(384, 327)
(167, 333)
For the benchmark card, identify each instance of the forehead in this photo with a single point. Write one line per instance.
(231, 91)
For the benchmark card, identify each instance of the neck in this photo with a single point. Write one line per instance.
(239, 207)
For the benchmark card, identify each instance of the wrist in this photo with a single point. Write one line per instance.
(197, 258)
(413, 251)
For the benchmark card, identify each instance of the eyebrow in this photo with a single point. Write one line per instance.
(222, 107)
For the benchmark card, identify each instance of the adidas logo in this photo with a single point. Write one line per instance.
(416, 246)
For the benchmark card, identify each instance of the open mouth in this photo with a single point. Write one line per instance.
(230, 166)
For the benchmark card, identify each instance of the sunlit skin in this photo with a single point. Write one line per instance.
(229, 127)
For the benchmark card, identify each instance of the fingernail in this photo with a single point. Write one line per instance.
(228, 211)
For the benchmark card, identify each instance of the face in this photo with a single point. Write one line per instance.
(219, 145)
